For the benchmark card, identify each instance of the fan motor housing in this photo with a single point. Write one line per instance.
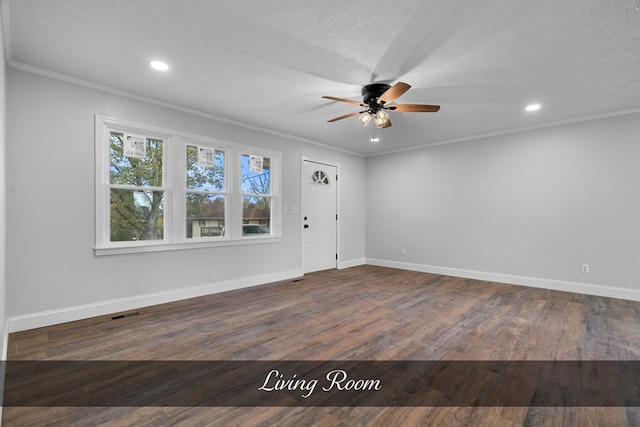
(371, 93)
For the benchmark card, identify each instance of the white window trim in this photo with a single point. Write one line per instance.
(175, 186)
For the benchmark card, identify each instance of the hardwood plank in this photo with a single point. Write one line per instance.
(366, 313)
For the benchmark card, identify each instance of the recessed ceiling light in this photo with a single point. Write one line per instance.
(533, 107)
(159, 65)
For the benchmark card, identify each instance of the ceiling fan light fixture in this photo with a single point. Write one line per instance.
(382, 118)
(376, 98)
(365, 118)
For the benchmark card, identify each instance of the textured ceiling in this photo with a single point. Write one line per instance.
(267, 64)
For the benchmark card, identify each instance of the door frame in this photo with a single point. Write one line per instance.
(302, 207)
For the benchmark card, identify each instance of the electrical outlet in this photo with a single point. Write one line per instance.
(212, 277)
(403, 251)
(585, 268)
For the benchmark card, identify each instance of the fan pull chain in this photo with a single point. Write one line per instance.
(374, 135)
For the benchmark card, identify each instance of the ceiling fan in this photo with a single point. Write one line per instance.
(375, 100)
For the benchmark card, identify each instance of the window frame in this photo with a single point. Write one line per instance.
(175, 188)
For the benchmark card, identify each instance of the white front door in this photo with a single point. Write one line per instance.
(319, 216)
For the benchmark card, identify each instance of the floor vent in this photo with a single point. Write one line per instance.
(122, 316)
(297, 280)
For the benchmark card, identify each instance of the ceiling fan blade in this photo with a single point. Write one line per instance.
(346, 116)
(348, 101)
(393, 93)
(415, 108)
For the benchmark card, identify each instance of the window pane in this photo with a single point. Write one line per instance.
(125, 170)
(136, 215)
(256, 215)
(205, 215)
(256, 181)
(205, 169)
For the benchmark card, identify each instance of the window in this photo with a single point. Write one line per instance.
(319, 178)
(136, 187)
(256, 195)
(205, 191)
(158, 189)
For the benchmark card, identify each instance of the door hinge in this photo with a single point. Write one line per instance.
(336, 257)
(336, 177)
(336, 217)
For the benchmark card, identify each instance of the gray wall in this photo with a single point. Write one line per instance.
(3, 311)
(533, 204)
(50, 203)
(3, 67)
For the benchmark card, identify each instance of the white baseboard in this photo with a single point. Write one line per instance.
(351, 263)
(53, 317)
(535, 282)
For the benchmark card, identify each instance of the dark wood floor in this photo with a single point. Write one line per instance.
(360, 313)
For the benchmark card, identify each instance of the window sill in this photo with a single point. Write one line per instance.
(161, 247)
